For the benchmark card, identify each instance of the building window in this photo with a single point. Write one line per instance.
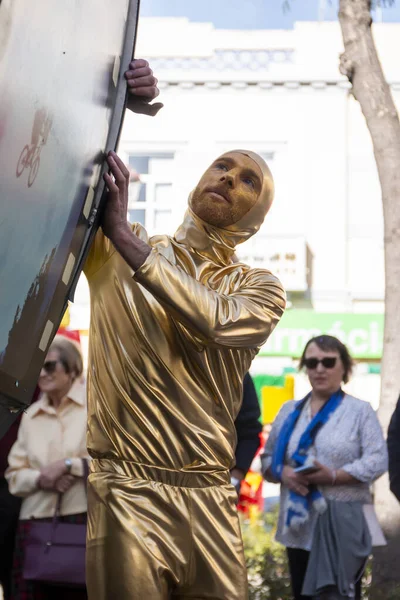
(137, 215)
(150, 191)
(163, 193)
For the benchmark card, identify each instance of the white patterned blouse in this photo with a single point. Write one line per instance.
(351, 440)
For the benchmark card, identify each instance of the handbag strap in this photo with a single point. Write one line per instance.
(55, 518)
(85, 474)
(58, 506)
(85, 470)
(60, 495)
(57, 510)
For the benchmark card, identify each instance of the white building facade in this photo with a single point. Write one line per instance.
(280, 94)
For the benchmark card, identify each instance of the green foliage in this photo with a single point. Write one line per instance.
(384, 594)
(267, 566)
(266, 560)
(366, 583)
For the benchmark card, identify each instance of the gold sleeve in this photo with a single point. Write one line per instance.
(244, 318)
(100, 251)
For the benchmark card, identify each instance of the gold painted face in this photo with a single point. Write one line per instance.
(228, 190)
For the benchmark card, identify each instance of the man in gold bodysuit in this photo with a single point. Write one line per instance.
(175, 324)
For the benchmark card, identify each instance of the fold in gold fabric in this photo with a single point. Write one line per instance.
(169, 347)
(156, 534)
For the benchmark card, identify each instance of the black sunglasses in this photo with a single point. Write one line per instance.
(50, 366)
(328, 362)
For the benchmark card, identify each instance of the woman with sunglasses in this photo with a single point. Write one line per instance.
(325, 450)
(48, 459)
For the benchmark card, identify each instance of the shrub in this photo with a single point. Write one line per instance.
(266, 559)
(267, 567)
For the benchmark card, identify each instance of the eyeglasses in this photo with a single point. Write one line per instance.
(50, 366)
(328, 362)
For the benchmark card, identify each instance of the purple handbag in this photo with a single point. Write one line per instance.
(55, 551)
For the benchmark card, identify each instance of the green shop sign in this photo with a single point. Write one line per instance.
(362, 333)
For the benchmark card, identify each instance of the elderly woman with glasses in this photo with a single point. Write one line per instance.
(325, 450)
(48, 459)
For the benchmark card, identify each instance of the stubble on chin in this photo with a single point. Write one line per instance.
(218, 216)
(213, 214)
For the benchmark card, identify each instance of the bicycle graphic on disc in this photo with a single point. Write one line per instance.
(30, 156)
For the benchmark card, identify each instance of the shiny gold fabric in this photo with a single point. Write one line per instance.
(158, 534)
(169, 347)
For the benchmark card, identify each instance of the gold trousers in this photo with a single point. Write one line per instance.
(155, 534)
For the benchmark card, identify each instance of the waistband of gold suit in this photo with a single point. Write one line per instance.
(189, 477)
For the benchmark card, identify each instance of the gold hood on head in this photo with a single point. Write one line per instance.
(219, 244)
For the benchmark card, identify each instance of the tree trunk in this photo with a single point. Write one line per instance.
(360, 63)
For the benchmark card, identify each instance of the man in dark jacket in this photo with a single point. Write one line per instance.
(393, 442)
(248, 429)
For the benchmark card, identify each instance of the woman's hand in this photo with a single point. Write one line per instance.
(295, 481)
(49, 475)
(324, 475)
(64, 483)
